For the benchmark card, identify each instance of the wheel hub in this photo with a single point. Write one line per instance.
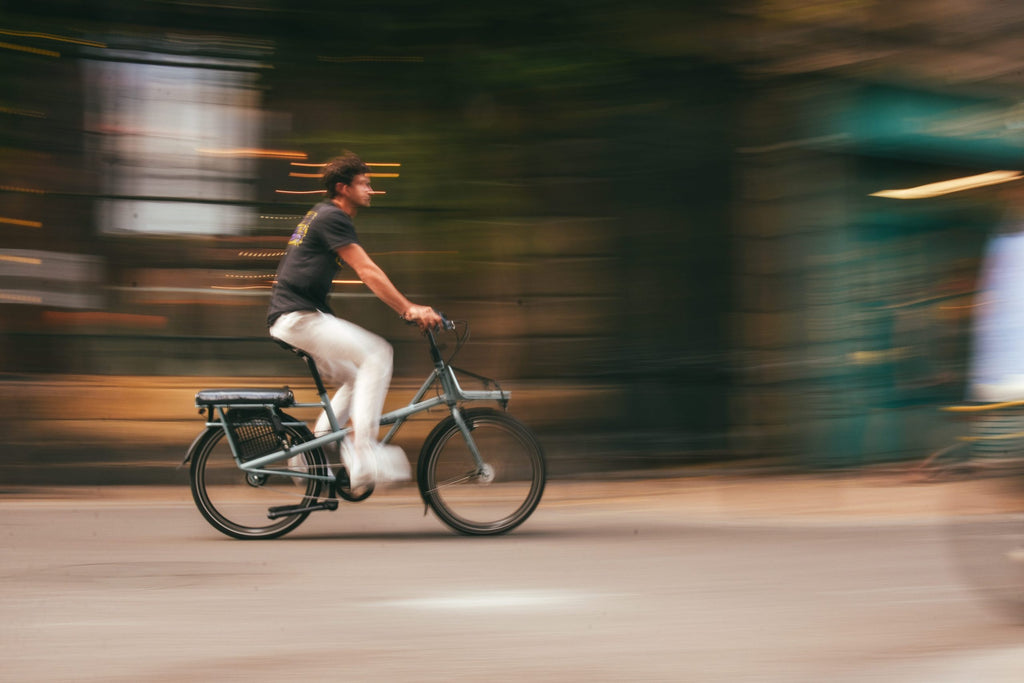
(485, 475)
(255, 479)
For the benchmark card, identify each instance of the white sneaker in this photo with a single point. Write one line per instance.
(392, 464)
(361, 470)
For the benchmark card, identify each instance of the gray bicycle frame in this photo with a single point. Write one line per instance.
(451, 395)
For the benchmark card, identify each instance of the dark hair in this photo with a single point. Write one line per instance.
(342, 170)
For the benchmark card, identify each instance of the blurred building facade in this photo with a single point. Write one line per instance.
(668, 202)
(855, 311)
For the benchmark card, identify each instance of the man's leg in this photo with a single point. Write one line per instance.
(343, 377)
(343, 349)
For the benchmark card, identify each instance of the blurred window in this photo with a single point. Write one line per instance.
(49, 278)
(161, 134)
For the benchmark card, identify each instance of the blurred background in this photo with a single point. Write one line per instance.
(672, 226)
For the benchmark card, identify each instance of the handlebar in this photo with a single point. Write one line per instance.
(446, 324)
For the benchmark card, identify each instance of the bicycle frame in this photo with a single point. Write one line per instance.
(452, 394)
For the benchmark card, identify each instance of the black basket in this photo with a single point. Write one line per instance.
(253, 433)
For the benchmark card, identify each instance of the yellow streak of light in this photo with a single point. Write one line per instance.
(16, 221)
(950, 186)
(383, 175)
(50, 36)
(368, 163)
(22, 112)
(33, 50)
(254, 153)
(419, 252)
(303, 175)
(347, 282)
(299, 191)
(29, 190)
(984, 407)
(990, 437)
(21, 259)
(20, 298)
(261, 253)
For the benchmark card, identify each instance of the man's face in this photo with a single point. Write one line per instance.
(359, 191)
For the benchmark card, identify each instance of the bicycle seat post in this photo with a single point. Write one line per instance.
(321, 390)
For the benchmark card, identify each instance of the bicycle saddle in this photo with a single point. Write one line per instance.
(281, 397)
(310, 363)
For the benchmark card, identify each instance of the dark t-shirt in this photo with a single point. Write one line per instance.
(310, 261)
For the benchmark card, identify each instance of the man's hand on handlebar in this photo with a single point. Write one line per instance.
(425, 317)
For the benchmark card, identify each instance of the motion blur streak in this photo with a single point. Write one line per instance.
(950, 186)
(254, 153)
(104, 319)
(663, 218)
(33, 50)
(49, 36)
(21, 259)
(21, 222)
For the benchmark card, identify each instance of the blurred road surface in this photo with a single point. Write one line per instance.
(705, 579)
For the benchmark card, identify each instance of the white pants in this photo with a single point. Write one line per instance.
(349, 357)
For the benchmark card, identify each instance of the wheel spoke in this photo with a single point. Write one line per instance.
(450, 478)
(236, 502)
(455, 480)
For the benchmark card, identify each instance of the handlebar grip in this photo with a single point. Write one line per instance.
(446, 324)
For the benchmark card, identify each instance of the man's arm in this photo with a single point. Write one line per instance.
(380, 284)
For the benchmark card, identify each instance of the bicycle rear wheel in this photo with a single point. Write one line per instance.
(493, 500)
(236, 502)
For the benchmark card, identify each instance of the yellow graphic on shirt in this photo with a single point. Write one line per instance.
(300, 232)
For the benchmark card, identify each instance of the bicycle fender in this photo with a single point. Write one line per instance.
(192, 447)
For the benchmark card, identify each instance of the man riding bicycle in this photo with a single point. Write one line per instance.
(359, 362)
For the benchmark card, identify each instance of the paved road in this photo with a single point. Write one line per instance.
(663, 581)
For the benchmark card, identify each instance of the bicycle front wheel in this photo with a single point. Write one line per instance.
(492, 499)
(236, 502)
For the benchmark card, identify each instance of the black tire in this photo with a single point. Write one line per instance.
(986, 535)
(235, 502)
(482, 505)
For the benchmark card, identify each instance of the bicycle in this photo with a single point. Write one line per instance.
(257, 473)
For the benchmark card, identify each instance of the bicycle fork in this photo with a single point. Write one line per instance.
(484, 472)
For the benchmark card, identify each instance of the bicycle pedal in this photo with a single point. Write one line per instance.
(286, 510)
(343, 488)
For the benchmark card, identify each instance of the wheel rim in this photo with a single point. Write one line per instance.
(236, 502)
(496, 497)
